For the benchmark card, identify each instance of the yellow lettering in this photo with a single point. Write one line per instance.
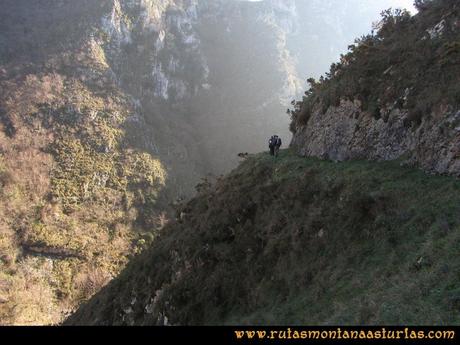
(313, 334)
(239, 334)
(261, 334)
(250, 334)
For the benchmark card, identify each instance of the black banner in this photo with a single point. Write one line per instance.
(240, 335)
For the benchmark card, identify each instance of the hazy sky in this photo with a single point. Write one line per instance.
(408, 4)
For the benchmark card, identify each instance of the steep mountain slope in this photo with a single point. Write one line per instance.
(298, 241)
(395, 94)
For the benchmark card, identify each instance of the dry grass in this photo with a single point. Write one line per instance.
(90, 282)
(30, 299)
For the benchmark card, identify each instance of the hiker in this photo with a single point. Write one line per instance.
(274, 145)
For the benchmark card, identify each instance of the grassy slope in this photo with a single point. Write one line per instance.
(300, 241)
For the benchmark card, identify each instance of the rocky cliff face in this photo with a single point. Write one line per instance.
(346, 132)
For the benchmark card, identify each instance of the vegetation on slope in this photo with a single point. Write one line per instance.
(299, 241)
(77, 198)
(410, 63)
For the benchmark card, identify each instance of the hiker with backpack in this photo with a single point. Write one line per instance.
(274, 145)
